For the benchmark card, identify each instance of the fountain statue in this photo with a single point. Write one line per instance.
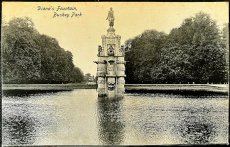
(110, 63)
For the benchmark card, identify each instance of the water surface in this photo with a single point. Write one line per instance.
(78, 117)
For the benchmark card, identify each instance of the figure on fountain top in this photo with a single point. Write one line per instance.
(110, 17)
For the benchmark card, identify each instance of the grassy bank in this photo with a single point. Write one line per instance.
(186, 88)
(47, 86)
(177, 88)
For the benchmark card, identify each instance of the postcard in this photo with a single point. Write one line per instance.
(115, 73)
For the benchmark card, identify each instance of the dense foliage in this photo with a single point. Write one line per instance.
(194, 52)
(29, 57)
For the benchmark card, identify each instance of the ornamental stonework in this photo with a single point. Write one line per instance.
(110, 63)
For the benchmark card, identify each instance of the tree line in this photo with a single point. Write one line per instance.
(31, 57)
(195, 52)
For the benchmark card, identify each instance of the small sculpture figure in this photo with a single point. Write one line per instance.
(110, 51)
(99, 50)
(122, 50)
(110, 17)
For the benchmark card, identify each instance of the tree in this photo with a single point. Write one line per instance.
(206, 55)
(194, 52)
(21, 54)
(29, 57)
(173, 66)
(200, 30)
(77, 75)
(225, 46)
(143, 54)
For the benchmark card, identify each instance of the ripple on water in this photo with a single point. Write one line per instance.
(78, 117)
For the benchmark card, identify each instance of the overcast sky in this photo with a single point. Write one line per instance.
(82, 34)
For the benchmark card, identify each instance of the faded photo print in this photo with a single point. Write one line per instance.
(115, 73)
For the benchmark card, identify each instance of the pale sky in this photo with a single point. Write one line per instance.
(81, 35)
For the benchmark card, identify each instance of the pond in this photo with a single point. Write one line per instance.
(78, 117)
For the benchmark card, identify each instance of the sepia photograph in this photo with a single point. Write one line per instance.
(115, 73)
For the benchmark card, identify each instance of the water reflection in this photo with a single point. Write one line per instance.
(111, 125)
(19, 130)
(68, 118)
(197, 130)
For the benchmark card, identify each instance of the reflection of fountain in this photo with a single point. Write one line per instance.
(20, 130)
(197, 130)
(111, 127)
